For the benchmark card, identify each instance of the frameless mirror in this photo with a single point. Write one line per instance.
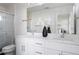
(63, 22)
(58, 16)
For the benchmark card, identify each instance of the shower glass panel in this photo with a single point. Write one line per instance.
(6, 29)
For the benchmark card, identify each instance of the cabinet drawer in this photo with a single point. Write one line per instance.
(70, 48)
(35, 50)
(36, 40)
(53, 45)
(68, 53)
(36, 43)
(51, 52)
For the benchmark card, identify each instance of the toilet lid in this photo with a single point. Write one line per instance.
(8, 48)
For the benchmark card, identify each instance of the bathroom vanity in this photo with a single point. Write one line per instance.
(58, 16)
(35, 44)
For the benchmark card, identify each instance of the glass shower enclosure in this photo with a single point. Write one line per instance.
(6, 29)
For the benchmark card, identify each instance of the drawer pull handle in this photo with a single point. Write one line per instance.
(38, 43)
(38, 52)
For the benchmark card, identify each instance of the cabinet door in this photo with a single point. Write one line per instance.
(21, 46)
(34, 50)
(51, 52)
(36, 42)
(51, 44)
(35, 46)
(67, 53)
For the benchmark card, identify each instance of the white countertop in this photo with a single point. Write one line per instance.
(55, 37)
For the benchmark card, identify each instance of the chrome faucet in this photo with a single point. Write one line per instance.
(62, 35)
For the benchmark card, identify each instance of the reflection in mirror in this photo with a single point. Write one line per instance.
(63, 23)
(58, 16)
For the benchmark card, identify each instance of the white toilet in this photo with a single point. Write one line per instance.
(9, 50)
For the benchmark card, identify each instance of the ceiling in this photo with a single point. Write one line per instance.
(47, 6)
(6, 4)
(37, 6)
(34, 4)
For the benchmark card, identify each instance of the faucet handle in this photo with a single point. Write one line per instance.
(62, 35)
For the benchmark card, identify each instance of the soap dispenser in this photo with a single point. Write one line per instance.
(49, 30)
(45, 32)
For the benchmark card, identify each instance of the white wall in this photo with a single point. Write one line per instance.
(77, 17)
(20, 15)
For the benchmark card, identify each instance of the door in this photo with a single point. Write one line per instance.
(51, 52)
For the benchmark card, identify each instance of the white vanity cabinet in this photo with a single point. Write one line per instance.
(64, 47)
(36, 46)
(52, 52)
(50, 48)
(21, 46)
(67, 53)
(41, 46)
(44, 46)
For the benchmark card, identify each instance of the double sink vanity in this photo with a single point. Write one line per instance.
(53, 44)
(63, 21)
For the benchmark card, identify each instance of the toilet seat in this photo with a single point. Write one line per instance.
(8, 48)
